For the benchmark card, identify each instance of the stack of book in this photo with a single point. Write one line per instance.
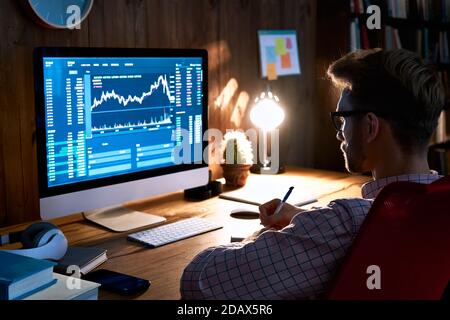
(21, 276)
(32, 279)
(67, 288)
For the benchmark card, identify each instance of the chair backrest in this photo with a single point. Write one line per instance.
(407, 235)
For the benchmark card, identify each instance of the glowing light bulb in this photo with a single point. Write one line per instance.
(267, 114)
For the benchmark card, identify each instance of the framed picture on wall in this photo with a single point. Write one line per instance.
(278, 53)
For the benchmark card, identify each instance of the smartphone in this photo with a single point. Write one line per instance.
(118, 282)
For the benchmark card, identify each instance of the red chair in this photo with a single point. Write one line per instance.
(407, 235)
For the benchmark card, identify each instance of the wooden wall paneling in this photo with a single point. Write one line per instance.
(139, 22)
(233, 30)
(332, 30)
(24, 63)
(117, 23)
(21, 192)
(24, 99)
(270, 18)
(95, 22)
(295, 146)
(180, 24)
(3, 103)
(227, 28)
(242, 20)
(237, 27)
(231, 24)
(2, 174)
(112, 23)
(302, 144)
(162, 24)
(195, 23)
(40, 37)
(2, 129)
(218, 53)
(11, 145)
(196, 26)
(11, 134)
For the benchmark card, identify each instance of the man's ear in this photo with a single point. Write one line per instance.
(373, 126)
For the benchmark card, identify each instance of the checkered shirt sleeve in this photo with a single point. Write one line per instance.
(297, 262)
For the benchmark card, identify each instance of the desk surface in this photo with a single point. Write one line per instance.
(164, 265)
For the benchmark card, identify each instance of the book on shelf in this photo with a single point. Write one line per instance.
(86, 258)
(398, 8)
(392, 38)
(397, 41)
(423, 45)
(437, 11)
(355, 35)
(67, 288)
(445, 80)
(22, 276)
(421, 10)
(443, 48)
(416, 25)
(433, 48)
(431, 41)
(359, 37)
(364, 38)
(359, 6)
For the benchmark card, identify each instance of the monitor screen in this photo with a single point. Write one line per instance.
(109, 116)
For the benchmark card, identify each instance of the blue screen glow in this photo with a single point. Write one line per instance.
(113, 116)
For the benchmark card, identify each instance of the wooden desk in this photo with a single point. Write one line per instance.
(164, 265)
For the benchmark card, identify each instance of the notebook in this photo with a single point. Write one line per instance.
(85, 258)
(22, 276)
(260, 189)
(65, 289)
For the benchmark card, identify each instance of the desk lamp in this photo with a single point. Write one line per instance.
(267, 115)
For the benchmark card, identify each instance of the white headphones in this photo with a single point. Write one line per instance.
(41, 240)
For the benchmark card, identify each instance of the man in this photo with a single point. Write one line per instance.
(387, 113)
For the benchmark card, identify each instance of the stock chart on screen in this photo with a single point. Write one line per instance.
(111, 116)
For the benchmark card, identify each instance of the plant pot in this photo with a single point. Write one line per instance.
(236, 174)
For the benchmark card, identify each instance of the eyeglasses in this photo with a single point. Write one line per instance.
(338, 118)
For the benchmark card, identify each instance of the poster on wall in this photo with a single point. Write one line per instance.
(278, 53)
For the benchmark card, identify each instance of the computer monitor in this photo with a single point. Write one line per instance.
(111, 127)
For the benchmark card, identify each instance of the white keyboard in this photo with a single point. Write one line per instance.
(172, 232)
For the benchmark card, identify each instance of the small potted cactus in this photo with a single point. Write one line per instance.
(237, 158)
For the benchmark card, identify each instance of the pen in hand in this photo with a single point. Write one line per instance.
(280, 205)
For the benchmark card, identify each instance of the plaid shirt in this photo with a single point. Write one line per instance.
(296, 262)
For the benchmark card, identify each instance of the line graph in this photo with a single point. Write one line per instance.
(127, 101)
(162, 81)
(163, 120)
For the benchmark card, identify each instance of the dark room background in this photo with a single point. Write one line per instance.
(227, 28)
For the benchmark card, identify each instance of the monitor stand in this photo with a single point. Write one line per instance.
(120, 219)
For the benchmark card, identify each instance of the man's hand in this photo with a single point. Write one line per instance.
(280, 220)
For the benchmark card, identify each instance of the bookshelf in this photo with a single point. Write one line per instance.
(422, 26)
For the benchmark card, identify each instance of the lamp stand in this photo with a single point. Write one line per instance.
(262, 165)
(260, 169)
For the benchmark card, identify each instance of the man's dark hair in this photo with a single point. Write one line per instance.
(398, 84)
